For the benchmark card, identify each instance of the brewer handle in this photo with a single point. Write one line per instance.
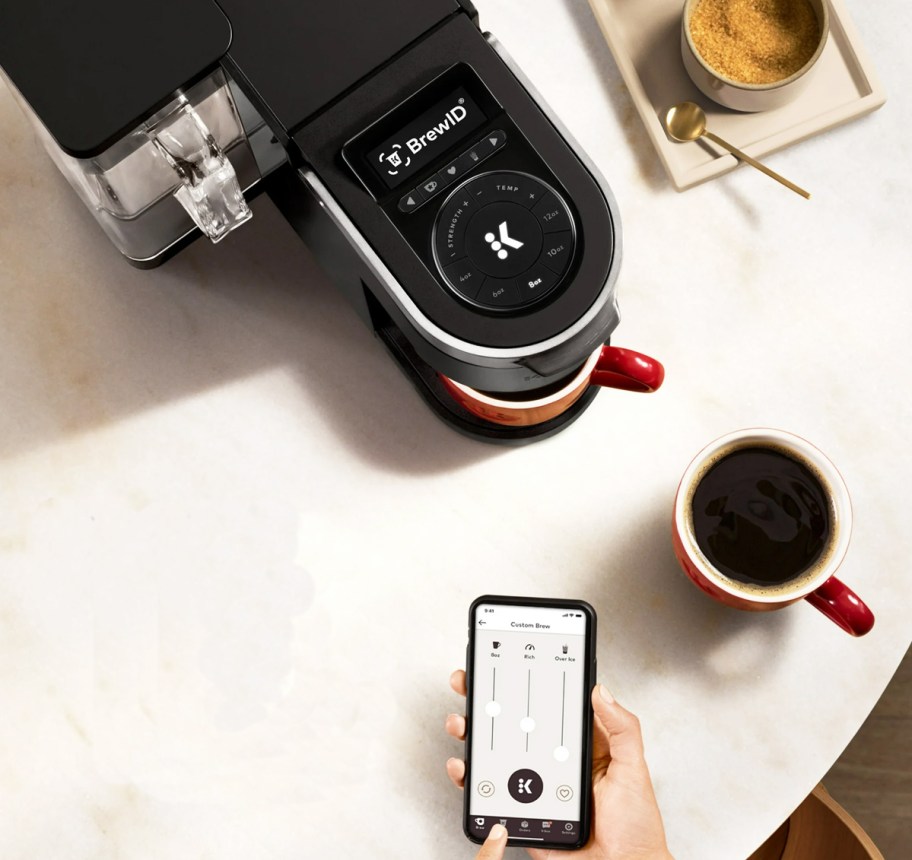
(209, 189)
(842, 606)
(618, 367)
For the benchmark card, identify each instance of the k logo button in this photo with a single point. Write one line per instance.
(525, 786)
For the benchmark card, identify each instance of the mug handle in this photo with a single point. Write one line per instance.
(842, 606)
(623, 368)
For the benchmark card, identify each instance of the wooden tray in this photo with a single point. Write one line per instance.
(644, 36)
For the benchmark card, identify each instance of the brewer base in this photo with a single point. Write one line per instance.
(435, 394)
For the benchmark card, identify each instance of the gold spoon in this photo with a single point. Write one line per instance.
(686, 121)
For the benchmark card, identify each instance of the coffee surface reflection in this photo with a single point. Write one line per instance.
(761, 517)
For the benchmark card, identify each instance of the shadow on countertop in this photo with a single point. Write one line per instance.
(90, 340)
(612, 83)
(725, 647)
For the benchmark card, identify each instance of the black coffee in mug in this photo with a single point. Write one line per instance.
(760, 516)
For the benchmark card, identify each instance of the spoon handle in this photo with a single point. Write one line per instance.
(754, 163)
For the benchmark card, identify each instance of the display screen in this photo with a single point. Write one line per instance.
(418, 143)
(528, 732)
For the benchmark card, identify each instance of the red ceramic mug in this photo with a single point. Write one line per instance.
(608, 366)
(816, 584)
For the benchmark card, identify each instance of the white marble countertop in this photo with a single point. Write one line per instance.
(236, 550)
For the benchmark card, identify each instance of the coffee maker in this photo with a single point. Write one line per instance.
(403, 145)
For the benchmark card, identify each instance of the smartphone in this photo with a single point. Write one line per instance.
(530, 669)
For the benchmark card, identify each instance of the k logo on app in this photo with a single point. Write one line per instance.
(525, 785)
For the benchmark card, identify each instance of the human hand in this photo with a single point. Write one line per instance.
(626, 822)
(495, 845)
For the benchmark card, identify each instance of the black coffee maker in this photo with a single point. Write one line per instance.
(403, 145)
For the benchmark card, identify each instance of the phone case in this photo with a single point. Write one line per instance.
(589, 682)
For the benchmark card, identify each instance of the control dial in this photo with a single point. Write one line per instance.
(504, 240)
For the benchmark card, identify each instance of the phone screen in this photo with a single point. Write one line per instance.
(529, 722)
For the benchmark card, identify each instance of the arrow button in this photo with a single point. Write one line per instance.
(494, 141)
(411, 201)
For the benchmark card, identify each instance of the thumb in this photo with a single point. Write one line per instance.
(494, 845)
(625, 740)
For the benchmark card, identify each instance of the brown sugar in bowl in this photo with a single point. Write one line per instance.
(757, 54)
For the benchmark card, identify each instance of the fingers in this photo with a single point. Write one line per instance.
(455, 768)
(625, 741)
(456, 726)
(458, 681)
(494, 845)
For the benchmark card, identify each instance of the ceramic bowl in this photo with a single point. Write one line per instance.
(737, 94)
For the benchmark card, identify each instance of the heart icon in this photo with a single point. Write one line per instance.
(451, 170)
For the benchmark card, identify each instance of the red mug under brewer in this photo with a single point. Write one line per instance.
(608, 366)
(762, 519)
